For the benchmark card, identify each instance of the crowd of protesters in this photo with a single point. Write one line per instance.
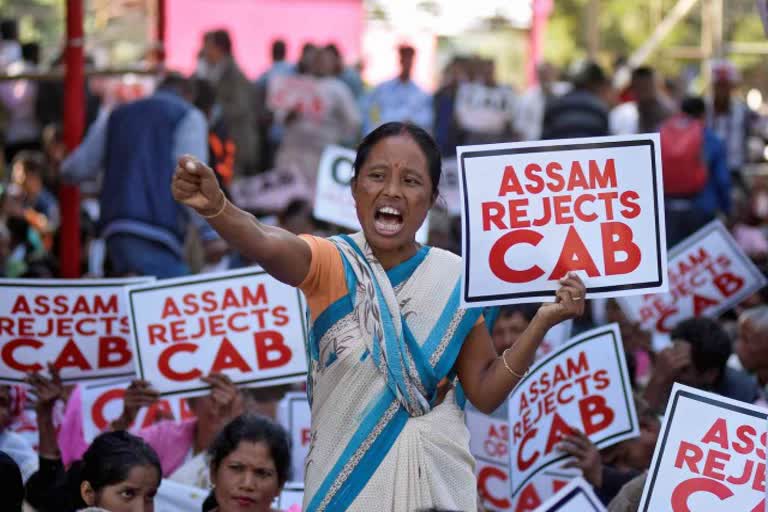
(130, 225)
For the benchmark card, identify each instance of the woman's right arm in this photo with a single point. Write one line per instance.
(282, 254)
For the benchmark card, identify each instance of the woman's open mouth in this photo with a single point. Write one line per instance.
(388, 221)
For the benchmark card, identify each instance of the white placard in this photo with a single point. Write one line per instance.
(556, 337)
(79, 325)
(577, 496)
(710, 455)
(489, 445)
(584, 384)
(174, 497)
(270, 191)
(295, 416)
(242, 323)
(333, 195)
(708, 274)
(483, 109)
(292, 496)
(299, 93)
(533, 211)
(102, 403)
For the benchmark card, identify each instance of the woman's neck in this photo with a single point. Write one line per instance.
(391, 258)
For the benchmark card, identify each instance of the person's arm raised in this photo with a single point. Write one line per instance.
(488, 378)
(282, 254)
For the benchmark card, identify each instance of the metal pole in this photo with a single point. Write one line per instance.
(74, 124)
(593, 29)
(161, 28)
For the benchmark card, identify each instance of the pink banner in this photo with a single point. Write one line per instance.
(253, 25)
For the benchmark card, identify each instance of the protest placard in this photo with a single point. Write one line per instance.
(484, 109)
(711, 455)
(79, 325)
(584, 385)
(333, 194)
(489, 445)
(291, 496)
(533, 211)
(577, 496)
(294, 414)
(295, 93)
(242, 323)
(173, 497)
(272, 191)
(102, 403)
(556, 336)
(708, 274)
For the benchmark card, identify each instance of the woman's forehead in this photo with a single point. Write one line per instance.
(399, 150)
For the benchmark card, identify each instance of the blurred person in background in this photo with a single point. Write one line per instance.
(13, 400)
(446, 129)
(647, 110)
(729, 117)
(234, 95)
(307, 131)
(399, 99)
(135, 146)
(752, 346)
(41, 208)
(49, 104)
(582, 112)
(280, 66)
(698, 357)
(10, 48)
(697, 184)
(221, 147)
(350, 75)
(610, 469)
(533, 103)
(19, 97)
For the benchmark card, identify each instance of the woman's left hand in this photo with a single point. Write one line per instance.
(569, 302)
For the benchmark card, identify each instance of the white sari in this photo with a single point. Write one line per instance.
(376, 356)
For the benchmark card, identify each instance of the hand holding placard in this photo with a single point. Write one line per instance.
(226, 398)
(569, 301)
(139, 394)
(46, 391)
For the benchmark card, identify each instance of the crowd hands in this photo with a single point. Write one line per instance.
(246, 138)
(230, 447)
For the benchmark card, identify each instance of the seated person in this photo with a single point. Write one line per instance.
(609, 470)
(119, 472)
(249, 449)
(698, 356)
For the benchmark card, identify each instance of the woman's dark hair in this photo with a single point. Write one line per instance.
(694, 106)
(13, 486)
(710, 344)
(254, 429)
(419, 136)
(110, 459)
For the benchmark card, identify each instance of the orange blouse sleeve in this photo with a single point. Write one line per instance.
(325, 282)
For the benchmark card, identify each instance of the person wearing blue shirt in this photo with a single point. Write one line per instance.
(399, 99)
(136, 146)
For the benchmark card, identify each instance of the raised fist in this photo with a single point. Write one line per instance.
(195, 185)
